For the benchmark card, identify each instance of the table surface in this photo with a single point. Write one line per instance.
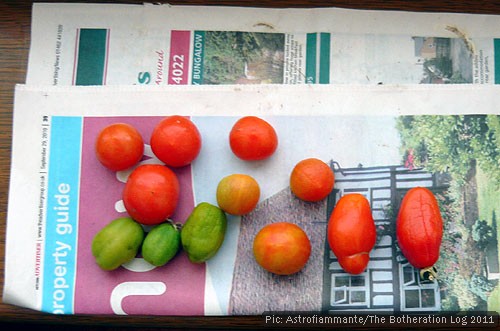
(15, 20)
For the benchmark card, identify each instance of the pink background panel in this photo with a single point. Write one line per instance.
(99, 191)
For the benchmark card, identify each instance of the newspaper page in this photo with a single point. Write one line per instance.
(380, 141)
(158, 45)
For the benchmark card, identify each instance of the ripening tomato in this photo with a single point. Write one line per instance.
(119, 146)
(419, 228)
(312, 180)
(176, 141)
(282, 248)
(151, 194)
(238, 194)
(251, 139)
(352, 233)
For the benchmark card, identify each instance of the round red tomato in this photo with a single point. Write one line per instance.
(312, 180)
(176, 141)
(282, 248)
(151, 194)
(251, 139)
(119, 146)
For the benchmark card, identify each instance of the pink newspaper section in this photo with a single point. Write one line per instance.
(174, 289)
(179, 58)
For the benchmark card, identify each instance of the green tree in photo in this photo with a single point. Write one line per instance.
(226, 53)
(439, 67)
(453, 143)
(482, 233)
(459, 146)
(480, 286)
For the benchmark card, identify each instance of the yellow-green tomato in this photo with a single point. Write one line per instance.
(117, 243)
(161, 244)
(203, 232)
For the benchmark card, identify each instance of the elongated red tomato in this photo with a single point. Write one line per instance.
(419, 228)
(352, 233)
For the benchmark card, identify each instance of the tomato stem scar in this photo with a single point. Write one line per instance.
(429, 273)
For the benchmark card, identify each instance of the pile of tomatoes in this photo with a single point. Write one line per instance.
(152, 191)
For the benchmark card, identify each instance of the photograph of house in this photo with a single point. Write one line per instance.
(456, 157)
(388, 284)
(443, 60)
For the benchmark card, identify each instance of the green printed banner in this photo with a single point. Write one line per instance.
(496, 52)
(311, 53)
(318, 58)
(324, 59)
(91, 59)
(198, 54)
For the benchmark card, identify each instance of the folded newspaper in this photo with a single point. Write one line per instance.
(182, 45)
(380, 141)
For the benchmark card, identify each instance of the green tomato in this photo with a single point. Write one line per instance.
(203, 233)
(161, 244)
(117, 243)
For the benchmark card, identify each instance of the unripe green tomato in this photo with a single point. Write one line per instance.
(161, 244)
(117, 243)
(203, 232)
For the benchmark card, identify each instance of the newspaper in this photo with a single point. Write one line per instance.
(158, 45)
(336, 84)
(356, 129)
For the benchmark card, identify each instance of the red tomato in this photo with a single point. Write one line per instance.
(252, 138)
(119, 146)
(176, 141)
(151, 194)
(312, 180)
(419, 227)
(282, 248)
(352, 233)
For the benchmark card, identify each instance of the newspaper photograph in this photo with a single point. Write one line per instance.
(380, 144)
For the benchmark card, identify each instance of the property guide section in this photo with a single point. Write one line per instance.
(62, 214)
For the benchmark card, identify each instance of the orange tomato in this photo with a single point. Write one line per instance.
(176, 141)
(151, 194)
(238, 194)
(352, 233)
(282, 248)
(119, 146)
(251, 139)
(312, 180)
(419, 227)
